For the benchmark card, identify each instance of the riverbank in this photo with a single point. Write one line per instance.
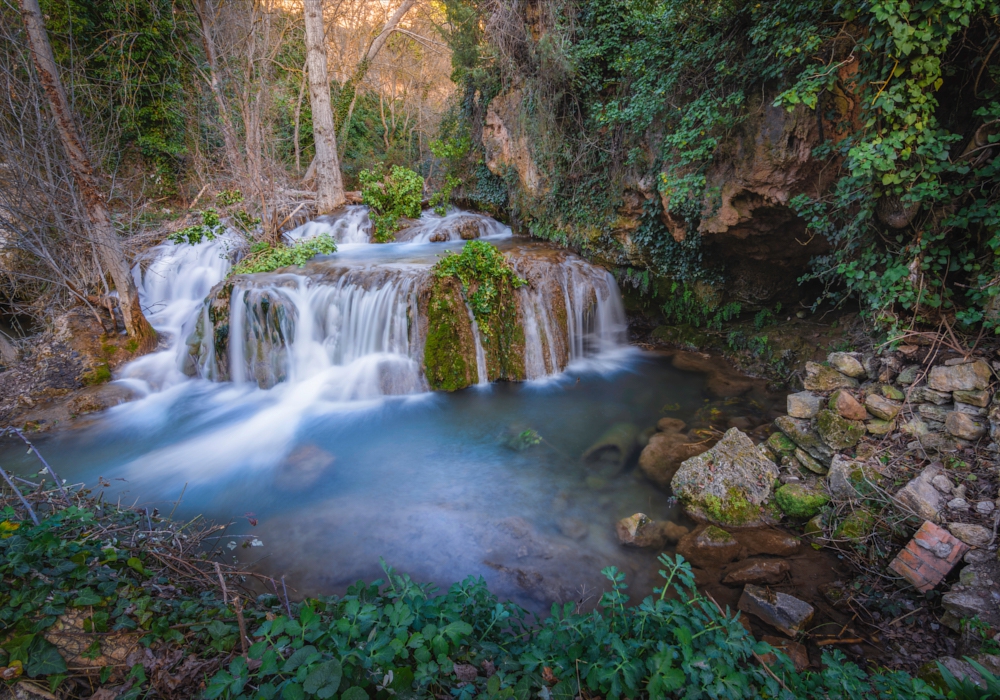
(103, 601)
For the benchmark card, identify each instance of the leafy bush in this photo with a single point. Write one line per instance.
(685, 305)
(390, 637)
(390, 197)
(264, 257)
(482, 269)
(210, 227)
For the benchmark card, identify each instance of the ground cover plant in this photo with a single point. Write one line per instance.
(94, 594)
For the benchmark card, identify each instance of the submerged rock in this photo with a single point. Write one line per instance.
(709, 546)
(662, 457)
(640, 530)
(610, 453)
(757, 571)
(728, 485)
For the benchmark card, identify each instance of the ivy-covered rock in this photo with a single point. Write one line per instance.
(730, 485)
(838, 432)
(799, 500)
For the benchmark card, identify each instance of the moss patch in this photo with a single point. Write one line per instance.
(837, 432)
(734, 509)
(98, 374)
(800, 501)
(856, 526)
(449, 352)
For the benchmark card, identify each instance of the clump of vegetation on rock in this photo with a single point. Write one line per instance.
(264, 257)
(391, 196)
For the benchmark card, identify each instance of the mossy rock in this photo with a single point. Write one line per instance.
(815, 527)
(684, 336)
(800, 501)
(449, 352)
(838, 432)
(856, 526)
(780, 444)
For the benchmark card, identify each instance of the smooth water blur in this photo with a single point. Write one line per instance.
(345, 458)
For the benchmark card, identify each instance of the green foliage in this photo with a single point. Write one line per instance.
(391, 196)
(965, 688)
(684, 305)
(483, 271)
(263, 257)
(210, 227)
(395, 636)
(227, 198)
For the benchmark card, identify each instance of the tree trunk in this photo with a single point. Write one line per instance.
(329, 181)
(204, 11)
(102, 229)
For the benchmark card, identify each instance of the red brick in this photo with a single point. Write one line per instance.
(920, 565)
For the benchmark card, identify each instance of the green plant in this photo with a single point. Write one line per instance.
(226, 198)
(245, 221)
(263, 257)
(390, 197)
(965, 688)
(483, 271)
(210, 227)
(697, 306)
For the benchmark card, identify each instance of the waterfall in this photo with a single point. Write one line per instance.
(350, 226)
(172, 290)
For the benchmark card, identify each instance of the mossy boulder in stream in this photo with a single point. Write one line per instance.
(450, 351)
(730, 485)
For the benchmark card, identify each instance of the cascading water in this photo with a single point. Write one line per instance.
(350, 226)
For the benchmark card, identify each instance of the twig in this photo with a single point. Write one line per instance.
(24, 501)
(179, 498)
(222, 582)
(32, 448)
(242, 623)
(288, 605)
(198, 196)
(903, 617)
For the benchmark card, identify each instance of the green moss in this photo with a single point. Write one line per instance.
(447, 365)
(99, 374)
(780, 443)
(856, 526)
(800, 501)
(716, 534)
(734, 509)
(837, 432)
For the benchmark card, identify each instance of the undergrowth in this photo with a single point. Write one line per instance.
(390, 197)
(119, 570)
(264, 257)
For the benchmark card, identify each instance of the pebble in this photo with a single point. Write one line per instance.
(942, 483)
(958, 504)
(985, 507)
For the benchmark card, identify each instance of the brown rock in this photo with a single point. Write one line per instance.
(847, 406)
(971, 376)
(964, 426)
(768, 541)
(709, 546)
(973, 398)
(881, 407)
(662, 456)
(670, 425)
(757, 571)
(820, 378)
(793, 650)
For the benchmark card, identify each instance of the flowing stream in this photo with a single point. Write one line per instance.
(302, 405)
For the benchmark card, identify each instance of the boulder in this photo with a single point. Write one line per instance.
(964, 426)
(728, 485)
(973, 398)
(846, 363)
(820, 378)
(800, 500)
(780, 610)
(662, 456)
(802, 434)
(881, 407)
(709, 546)
(639, 530)
(847, 406)
(839, 433)
(971, 376)
(974, 535)
(769, 571)
(804, 404)
(921, 496)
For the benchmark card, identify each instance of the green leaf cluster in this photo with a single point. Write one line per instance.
(210, 227)
(264, 257)
(483, 271)
(391, 196)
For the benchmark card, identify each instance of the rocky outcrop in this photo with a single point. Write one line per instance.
(506, 145)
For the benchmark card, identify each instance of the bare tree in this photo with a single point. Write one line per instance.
(329, 180)
(101, 228)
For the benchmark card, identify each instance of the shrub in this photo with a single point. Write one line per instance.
(210, 227)
(390, 197)
(264, 257)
